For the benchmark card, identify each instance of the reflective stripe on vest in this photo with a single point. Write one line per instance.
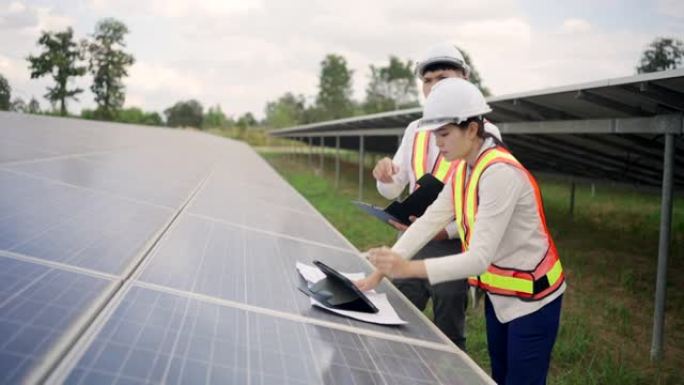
(525, 284)
(442, 169)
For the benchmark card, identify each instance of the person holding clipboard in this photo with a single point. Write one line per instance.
(507, 249)
(417, 155)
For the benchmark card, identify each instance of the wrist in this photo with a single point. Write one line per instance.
(417, 269)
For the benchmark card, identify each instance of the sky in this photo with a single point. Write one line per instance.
(242, 54)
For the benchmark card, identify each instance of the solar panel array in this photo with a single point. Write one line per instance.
(139, 255)
(611, 129)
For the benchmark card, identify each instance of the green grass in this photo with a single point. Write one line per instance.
(609, 252)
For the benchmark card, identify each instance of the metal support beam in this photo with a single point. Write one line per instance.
(546, 112)
(572, 198)
(322, 148)
(663, 95)
(499, 109)
(362, 155)
(670, 100)
(337, 162)
(603, 101)
(663, 249)
(310, 151)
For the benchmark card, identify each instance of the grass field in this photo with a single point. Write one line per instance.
(609, 253)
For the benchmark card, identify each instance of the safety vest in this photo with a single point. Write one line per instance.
(442, 168)
(529, 285)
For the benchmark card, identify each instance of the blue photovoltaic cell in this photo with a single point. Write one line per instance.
(96, 195)
(38, 305)
(274, 209)
(156, 337)
(13, 152)
(223, 188)
(224, 261)
(141, 183)
(70, 225)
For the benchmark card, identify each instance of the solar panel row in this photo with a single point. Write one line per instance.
(132, 255)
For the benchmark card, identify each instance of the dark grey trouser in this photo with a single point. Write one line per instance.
(449, 299)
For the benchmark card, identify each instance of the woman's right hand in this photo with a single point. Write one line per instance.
(370, 282)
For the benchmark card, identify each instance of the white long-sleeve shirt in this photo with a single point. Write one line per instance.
(406, 176)
(507, 232)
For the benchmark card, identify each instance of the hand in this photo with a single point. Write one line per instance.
(384, 170)
(397, 225)
(400, 226)
(370, 282)
(393, 265)
(441, 236)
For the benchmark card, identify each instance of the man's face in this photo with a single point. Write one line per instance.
(431, 78)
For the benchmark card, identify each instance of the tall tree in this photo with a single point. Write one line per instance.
(108, 64)
(5, 94)
(246, 120)
(474, 76)
(215, 118)
(33, 106)
(662, 54)
(60, 58)
(18, 105)
(288, 110)
(334, 98)
(184, 114)
(391, 87)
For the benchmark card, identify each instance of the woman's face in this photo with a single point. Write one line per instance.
(454, 142)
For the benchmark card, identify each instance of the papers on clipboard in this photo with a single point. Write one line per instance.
(386, 315)
(427, 189)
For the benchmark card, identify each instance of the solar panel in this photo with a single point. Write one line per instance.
(155, 337)
(38, 305)
(167, 256)
(564, 130)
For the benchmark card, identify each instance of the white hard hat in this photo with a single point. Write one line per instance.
(442, 53)
(452, 100)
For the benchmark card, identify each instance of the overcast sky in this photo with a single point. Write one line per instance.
(241, 54)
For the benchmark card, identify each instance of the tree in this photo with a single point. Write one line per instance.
(662, 54)
(5, 94)
(33, 106)
(184, 114)
(474, 76)
(391, 87)
(131, 115)
(60, 58)
(108, 63)
(246, 120)
(334, 98)
(18, 105)
(288, 110)
(135, 115)
(215, 118)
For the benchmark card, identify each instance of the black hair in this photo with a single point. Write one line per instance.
(442, 66)
(481, 133)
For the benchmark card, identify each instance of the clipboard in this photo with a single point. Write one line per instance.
(377, 212)
(427, 189)
(337, 291)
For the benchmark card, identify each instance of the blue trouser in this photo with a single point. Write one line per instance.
(520, 350)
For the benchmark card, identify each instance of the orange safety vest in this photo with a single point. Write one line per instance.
(529, 285)
(442, 168)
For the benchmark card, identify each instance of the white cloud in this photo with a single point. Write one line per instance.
(30, 20)
(243, 53)
(178, 8)
(672, 8)
(576, 26)
(16, 15)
